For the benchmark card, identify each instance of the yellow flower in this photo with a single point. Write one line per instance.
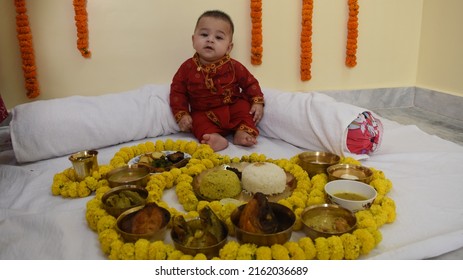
(175, 255)
(323, 249)
(160, 146)
(115, 249)
(186, 257)
(106, 238)
(382, 186)
(351, 246)
(279, 252)
(141, 249)
(308, 247)
(157, 251)
(246, 252)
(336, 247)
(366, 239)
(191, 147)
(263, 253)
(200, 256)
(106, 222)
(366, 220)
(349, 160)
(295, 252)
(298, 223)
(150, 147)
(93, 216)
(127, 252)
(229, 251)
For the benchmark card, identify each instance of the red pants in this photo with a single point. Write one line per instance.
(224, 120)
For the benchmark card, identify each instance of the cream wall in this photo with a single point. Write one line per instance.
(144, 41)
(441, 49)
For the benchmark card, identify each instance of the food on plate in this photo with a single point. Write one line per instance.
(265, 177)
(147, 220)
(207, 230)
(220, 184)
(160, 161)
(257, 216)
(124, 199)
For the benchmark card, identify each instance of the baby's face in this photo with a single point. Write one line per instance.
(212, 39)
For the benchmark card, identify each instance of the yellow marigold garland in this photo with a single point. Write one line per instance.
(352, 33)
(256, 33)
(27, 49)
(306, 40)
(81, 18)
(308, 191)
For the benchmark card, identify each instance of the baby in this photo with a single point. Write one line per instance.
(213, 95)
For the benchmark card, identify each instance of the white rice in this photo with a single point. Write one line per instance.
(265, 177)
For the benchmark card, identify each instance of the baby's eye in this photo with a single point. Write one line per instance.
(219, 37)
(203, 34)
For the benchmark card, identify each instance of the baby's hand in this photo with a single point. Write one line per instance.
(258, 111)
(185, 123)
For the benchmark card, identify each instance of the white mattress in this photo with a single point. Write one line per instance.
(426, 172)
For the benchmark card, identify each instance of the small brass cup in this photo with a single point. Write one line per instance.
(84, 163)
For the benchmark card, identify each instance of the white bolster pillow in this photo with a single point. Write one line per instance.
(52, 128)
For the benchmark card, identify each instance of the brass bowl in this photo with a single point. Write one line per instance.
(319, 220)
(116, 211)
(210, 251)
(151, 236)
(128, 175)
(317, 162)
(350, 172)
(286, 219)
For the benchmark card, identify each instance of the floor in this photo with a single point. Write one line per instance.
(431, 123)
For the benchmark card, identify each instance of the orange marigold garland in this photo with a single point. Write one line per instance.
(256, 34)
(80, 9)
(352, 33)
(27, 50)
(306, 39)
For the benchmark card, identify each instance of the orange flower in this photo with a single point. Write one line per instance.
(27, 50)
(81, 17)
(256, 33)
(352, 34)
(306, 39)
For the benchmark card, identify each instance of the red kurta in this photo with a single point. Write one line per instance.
(217, 96)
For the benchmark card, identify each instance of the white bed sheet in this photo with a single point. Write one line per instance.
(426, 172)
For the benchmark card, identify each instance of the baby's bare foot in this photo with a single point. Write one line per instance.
(244, 139)
(215, 140)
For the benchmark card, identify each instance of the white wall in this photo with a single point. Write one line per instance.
(441, 48)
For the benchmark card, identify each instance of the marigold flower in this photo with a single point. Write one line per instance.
(24, 35)
(308, 247)
(352, 34)
(263, 253)
(306, 38)
(295, 252)
(80, 10)
(246, 252)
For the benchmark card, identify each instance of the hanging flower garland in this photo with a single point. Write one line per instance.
(27, 49)
(256, 33)
(307, 192)
(306, 40)
(352, 34)
(81, 17)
